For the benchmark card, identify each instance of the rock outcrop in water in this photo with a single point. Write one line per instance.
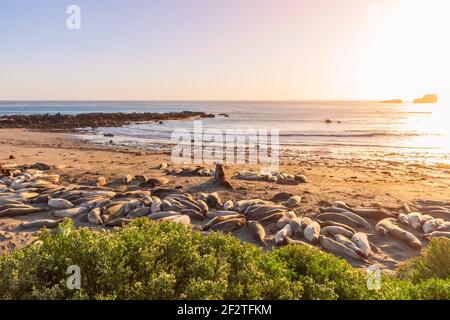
(93, 120)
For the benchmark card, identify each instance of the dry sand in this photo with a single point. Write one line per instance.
(357, 182)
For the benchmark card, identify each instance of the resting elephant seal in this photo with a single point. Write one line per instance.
(384, 226)
(373, 213)
(228, 205)
(191, 213)
(68, 213)
(219, 219)
(406, 237)
(156, 205)
(229, 225)
(415, 220)
(120, 222)
(95, 216)
(280, 236)
(437, 234)
(403, 219)
(361, 241)
(337, 248)
(432, 225)
(41, 223)
(296, 225)
(273, 218)
(347, 242)
(214, 201)
(338, 217)
(257, 231)
(285, 220)
(14, 212)
(162, 214)
(335, 230)
(138, 212)
(324, 224)
(213, 214)
(312, 232)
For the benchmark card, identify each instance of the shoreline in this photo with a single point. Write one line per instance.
(364, 183)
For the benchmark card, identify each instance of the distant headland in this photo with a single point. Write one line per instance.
(393, 101)
(428, 98)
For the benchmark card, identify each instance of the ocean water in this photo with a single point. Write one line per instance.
(409, 132)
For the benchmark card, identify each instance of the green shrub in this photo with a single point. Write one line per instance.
(147, 260)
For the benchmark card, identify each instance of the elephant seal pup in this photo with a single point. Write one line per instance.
(69, 213)
(437, 234)
(335, 230)
(257, 232)
(280, 236)
(415, 220)
(312, 232)
(406, 237)
(95, 216)
(384, 226)
(41, 223)
(346, 241)
(361, 241)
(14, 212)
(296, 225)
(338, 248)
(229, 225)
(403, 219)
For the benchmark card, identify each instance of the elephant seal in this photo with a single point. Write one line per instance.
(273, 218)
(193, 214)
(219, 219)
(228, 205)
(257, 231)
(138, 212)
(69, 213)
(229, 225)
(373, 213)
(335, 230)
(281, 235)
(162, 214)
(361, 241)
(213, 214)
(296, 225)
(119, 222)
(112, 212)
(312, 232)
(384, 226)
(406, 237)
(156, 205)
(203, 206)
(437, 234)
(347, 242)
(414, 219)
(41, 223)
(214, 201)
(95, 216)
(14, 212)
(444, 227)
(337, 248)
(221, 178)
(362, 222)
(285, 220)
(432, 225)
(324, 224)
(338, 217)
(293, 201)
(403, 219)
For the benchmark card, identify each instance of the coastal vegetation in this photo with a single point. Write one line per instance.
(148, 260)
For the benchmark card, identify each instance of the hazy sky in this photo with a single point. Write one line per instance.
(225, 49)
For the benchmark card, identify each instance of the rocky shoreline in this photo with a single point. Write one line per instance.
(60, 121)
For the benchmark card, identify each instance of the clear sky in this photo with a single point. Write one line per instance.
(225, 49)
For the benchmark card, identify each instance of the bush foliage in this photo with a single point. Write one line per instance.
(146, 260)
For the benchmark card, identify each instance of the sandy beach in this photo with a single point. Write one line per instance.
(359, 183)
